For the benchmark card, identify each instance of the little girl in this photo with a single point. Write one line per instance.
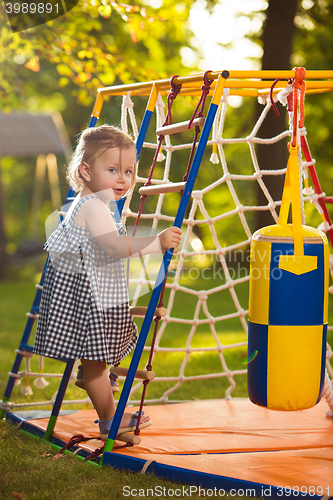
(84, 309)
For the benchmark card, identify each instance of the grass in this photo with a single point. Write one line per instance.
(31, 469)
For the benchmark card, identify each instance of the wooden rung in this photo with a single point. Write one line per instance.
(129, 438)
(31, 315)
(170, 187)
(180, 127)
(141, 311)
(141, 374)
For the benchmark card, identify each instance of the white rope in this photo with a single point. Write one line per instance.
(9, 406)
(127, 109)
(25, 373)
(160, 118)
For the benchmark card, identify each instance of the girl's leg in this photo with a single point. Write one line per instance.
(97, 385)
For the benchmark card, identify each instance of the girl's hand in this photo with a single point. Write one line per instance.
(170, 238)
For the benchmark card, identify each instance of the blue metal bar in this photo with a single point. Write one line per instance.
(143, 131)
(165, 264)
(93, 121)
(59, 399)
(119, 208)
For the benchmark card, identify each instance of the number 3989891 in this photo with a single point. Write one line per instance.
(32, 8)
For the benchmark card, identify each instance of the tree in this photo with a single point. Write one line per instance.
(94, 45)
(277, 37)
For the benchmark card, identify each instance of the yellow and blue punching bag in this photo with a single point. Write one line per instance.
(288, 307)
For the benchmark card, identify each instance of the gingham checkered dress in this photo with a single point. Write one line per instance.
(84, 310)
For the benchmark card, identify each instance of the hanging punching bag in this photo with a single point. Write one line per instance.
(288, 307)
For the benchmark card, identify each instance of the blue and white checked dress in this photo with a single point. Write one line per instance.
(84, 309)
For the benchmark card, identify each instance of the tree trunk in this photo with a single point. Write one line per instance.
(277, 48)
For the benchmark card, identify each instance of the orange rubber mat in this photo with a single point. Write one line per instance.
(234, 439)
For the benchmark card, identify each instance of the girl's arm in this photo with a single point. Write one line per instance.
(99, 221)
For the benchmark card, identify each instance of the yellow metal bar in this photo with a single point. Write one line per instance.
(220, 85)
(311, 74)
(319, 85)
(276, 90)
(152, 98)
(316, 84)
(318, 91)
(248, 92)
(98, 105)
(237, 79)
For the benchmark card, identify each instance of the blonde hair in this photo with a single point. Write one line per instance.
(92, 143)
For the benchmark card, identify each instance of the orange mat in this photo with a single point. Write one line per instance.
(234, 439)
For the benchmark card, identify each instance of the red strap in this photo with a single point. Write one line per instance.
(96, 453)
(272, 99)
(78, 438)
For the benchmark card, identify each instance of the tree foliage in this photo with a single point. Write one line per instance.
(97, 43)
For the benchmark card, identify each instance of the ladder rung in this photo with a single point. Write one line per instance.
(180, 127)
(141, 311)
(31, 315)
(25, 347)
(141, 374)
(170, 187)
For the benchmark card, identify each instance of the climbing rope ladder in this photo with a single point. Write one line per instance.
(192, 214)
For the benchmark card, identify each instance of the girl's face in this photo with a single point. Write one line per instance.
(111, 174)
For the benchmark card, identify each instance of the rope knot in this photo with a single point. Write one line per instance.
(207, 83)
(299, 77)
(175, 89)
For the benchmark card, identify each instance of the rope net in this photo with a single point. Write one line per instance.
(203, 337)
